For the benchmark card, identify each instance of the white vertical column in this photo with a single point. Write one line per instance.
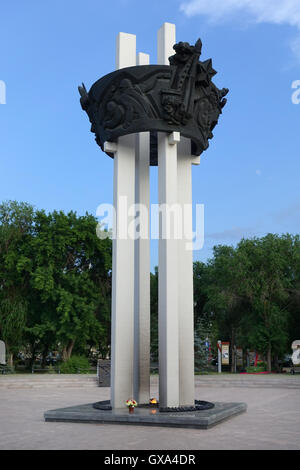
(185, 277)
(125, 50)
(142, 265)
(168, 278)
(122, 333)
(168, 252)
(166, 38)
(219, 357)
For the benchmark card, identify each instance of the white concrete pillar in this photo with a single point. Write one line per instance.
(122, 329)
(185, 277)
(166, 38)
(168, 278)
(167, 251)
(125, 50)
(142, 265)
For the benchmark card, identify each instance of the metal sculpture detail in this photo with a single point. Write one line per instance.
(157, 98)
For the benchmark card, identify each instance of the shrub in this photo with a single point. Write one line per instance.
(260, 367)
(75, 365)
(51, 369)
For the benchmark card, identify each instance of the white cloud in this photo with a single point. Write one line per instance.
(289, 213)
(261, 11)
(258, 172)
(235, 233)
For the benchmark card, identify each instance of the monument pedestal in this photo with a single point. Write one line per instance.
(203, 419)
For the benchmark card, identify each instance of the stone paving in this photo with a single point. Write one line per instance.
(272, 420)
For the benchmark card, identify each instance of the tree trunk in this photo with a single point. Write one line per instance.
(67, 350)
(10, 360)
(33, 353)
(276, 363)
(269, 359)
(232, 350)
(44, 356)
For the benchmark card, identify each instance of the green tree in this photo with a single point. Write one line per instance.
(16, 224)
(55, 281)
(70, 270)
(201, 282)
(225, 298)
(294, 293)
(268, 279)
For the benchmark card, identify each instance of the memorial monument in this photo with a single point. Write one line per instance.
(144, 115)
(153, 115)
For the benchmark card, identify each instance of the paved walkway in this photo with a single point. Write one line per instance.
(271, 422)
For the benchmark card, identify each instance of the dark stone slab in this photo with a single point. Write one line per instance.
(203, 419)
(104, 373)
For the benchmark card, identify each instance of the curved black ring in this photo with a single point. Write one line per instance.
(199, 406)
(179, 97)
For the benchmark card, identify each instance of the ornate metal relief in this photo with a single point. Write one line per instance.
(157, 98)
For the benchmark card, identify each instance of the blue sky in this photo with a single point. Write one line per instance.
(249, 177)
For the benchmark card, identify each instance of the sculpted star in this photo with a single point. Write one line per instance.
(205, 72)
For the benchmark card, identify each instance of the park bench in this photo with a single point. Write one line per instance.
(45, 369)
(103, 372)
(5, 369)
(84, 370)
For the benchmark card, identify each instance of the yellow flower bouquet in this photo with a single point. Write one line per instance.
(131, 405)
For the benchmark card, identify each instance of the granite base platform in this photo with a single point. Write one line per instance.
(203, 419)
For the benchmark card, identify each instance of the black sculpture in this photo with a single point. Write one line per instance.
(157, 98)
